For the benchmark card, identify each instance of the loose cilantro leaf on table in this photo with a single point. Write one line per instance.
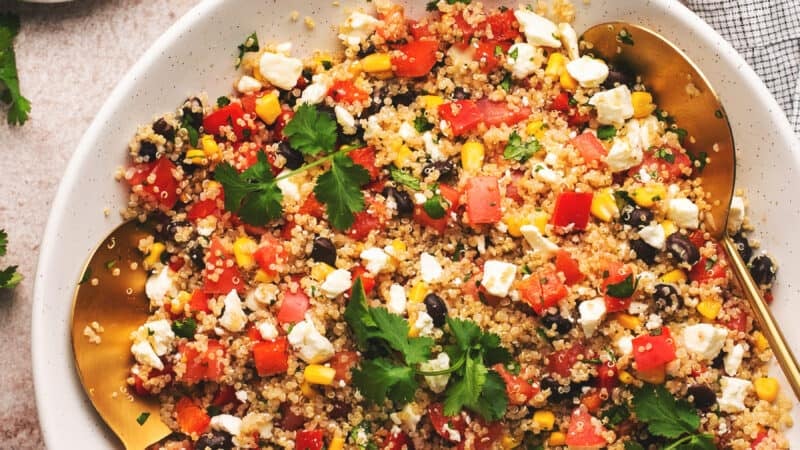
(518, 150)
(9, 277)
(670, 418)
(310, 131)
(250, 44)
(340, 190)
(18, 106)
(253, 194)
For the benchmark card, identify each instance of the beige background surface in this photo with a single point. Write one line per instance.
(69, 57)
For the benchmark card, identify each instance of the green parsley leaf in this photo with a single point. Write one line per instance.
(310, 131)
(326, 64)
(394, 330)
(191, 129)
(184, 328)
(250, 44)
(623, 199)
(667, 417)
(213, 410)
(400, 176)
(623, 289)
(377, 378)
(223, 101)
(633, 445)
(357, 315)
(616, 414)
(498, 51)
(506, 82)
(421, 124)
(340, 190)
(514, 54)
(253, 194)
(18, 106)
(606, 132)
(682, 133)
(142, 418)
(518, 150)
(436, 206)
(458, 253)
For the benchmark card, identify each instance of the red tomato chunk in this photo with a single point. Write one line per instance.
(483, 200)
(651, 352)
(572, 208)
(271, 357)
(415, 58)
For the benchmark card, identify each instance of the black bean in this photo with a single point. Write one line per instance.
(405, 206)
(376, 102)
(743, 246)
(644, 251)
(762, 269)
(459, 93)
(339, 409)
(147, 150)
(719, 361)
(197, 255)
(324, 251)
(447, 170)
(214, 440)
(681, 248)
(294, 159)
(618, 77)
(291, 421)
(666, 296)
(436, 308)
(405, 99)
(562, 324)
(560, 392)
(702, 396)
(162, 128)
(364, 51)
(635, 216)
(193, 111)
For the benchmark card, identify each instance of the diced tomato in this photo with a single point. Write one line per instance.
(442, 424)
(293, 307)
(416, 58)
(192, 419)
(363, 223)
(345, 91)
(452, 196)
(617, 273)
(592, 400)
(709, 269)
(164, 187)
(518, 390)
(560, 102)
(467, 29)
(486, 53)
(418, 30)
(497, 113)
(287, 229)
(309, 440)
(577, 119)
(463, 116)
(226, 394)
(253, 334)
(483, 200)
(590, 148)
(567, 265)
(270, 253)
(225, 276)
(651, 352)
(542, 290)
(312, 207)
(487, 436)
(198, 302)
(229, 115)
(503, 25)
(204, 365)
(365, 157)
(396, 440)
(138, 387)
(607, 373)
(697, 237)
(561, 361)
(175, 263)
(280, 123)
(201, 209)
(512, 188)
(585, 432)
(737, 320)
(343, 362)
(271, 357)
(367, 280)
(760, 437)
(572, 208)
(666, 163)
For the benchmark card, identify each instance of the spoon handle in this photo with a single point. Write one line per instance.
(763, 316)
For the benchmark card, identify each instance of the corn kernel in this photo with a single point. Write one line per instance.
(243, 249)
(674, 276)
(418, 292)
(508, 442)
(514, 223)
(263, 277)
(308, 390)
(642, 104)
(540, 219)
(155, 255)
(320, 271)
(319, 374)
(402, 156)
(557, 438)
(472, 154)
(545, 419)
(625, 377)
(376, 62)
(399, 246)
(412, 319)
(709, 308)
(337, 443)
(535, 128)
(178, 303)
(653, 376)
(669, 227)
(766, 388)
(760, 341)
(647, 196)
(210, 147)
(604, 206)
(629, 321)
(268, 108)
(196, 156)
(556, 65)
(432, 101)
(385, 75)
(567, 82)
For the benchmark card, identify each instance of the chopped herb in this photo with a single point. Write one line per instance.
(513, 367)
(572, 101)
(326, 64)
(623, 289)
(223, 101)
(682, 133)
(514, 53)
(421, 124)
(436, 206)
(253, 194)
(669, 418)
(506, 82)
(616, 414)
(340, 190)
(625, 37)
(432, 5)
(595, 361)
(184, 328)
(655, 332)
(699, 162)
(623, 199)
(87, 275)
(311, 131)
(18, 106)
(718, 114)
(400, 176)
(526, 270)
(142, 418)
(662, 116)
(633, 445)
(710, 263)
(498, 51)
(611, 356)
(665, 154)
(213, 410)
(250, 44)
(606, 132)
(194, 135)
(458, 253)
(543, 334)
(519, 151)
(110, 264)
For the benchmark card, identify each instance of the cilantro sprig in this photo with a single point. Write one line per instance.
(624, 288)
(18, 106)
(9, 277)
(250, 44)
(669, 418)
(518, 150)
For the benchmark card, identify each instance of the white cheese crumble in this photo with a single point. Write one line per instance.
(654, 235)
(288, 188)
(613, 106)
(280, 70)
(408, 417)
(437, 383)
(357, 28)
(683, 213)
(704, 339)
(248, 84)
(345, 119)
(538, 243)
(736, 214)
(233, 318)
(587, 71)
(159, 334)
(407, 131)
(375, 259)
(569, 39)
(733, 360)
(145, 355)
(432, 148)
(227, 423)
(538, 30)
(397, 299)
(429, 268)
(336, 283)
(263, 295)
(734, 391)
(625, 345)
(424, 324)
(267, 330)
(623, 156)
(498, 276)
(158, 287)
(592, 312)
(311, 345)
(521, 59)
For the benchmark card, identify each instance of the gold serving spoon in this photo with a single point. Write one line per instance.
(681, 89)
(111, 293)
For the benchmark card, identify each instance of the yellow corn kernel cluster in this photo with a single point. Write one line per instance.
(545, 419)
(514, 223)
(268, 108)
(642, 104)
(508, 442)
(243, 249)
(418, 292)
(413, 331)
(557, 67)
(179, 302)
(604, 206)
(376, 63)
(263, 277)
(567, 82)
(337, 443)
(647, 196)
(472, 154)
(653, 376)
(432, 101)
(625, 377)
(669, 227)
(319, 374)
(674, 276)
(629, 321)
(760, 341)
(535, 128)
(402, 155)
(557, 438)
(210, 147)
(155, 255)
(709, 308)
(196, 156)
(766, 388)
(540, 219)
(308, 390)
(320, 271)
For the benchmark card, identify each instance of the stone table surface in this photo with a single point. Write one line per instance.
(70, 56)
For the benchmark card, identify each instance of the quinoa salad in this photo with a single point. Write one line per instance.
(460, 231)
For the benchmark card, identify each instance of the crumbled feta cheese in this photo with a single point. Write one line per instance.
(538, 243)
(144, 354)
(734, 391)
(460, 58)
(233, 318)
(592, 312)
(375, 259)
(429, 268)
(570, 39)
(654, 322)
(736, 214)
(587, 71)
(654, 235)
(407, 131)
(264, 294)
(357, 28)
(538, 30)
(206, 225)
(336, 283)
(419, 198)
(397, 299)
(227, 423)
(241, 395)
(424, 324)
(248, 84)
(432, 148)
(452, 434)
(437, 383)
(280, 70)
(313, 93)
(637, 308)
(704, 339)
(523, 64)
(613, 106)
(551, 159)
(288, 188)
(623, 156)
(345, 119)
(311, 345)
(160, 335)
(408, 417)
(547, 175)
(683, 213)
(267, 330)
(733, 359)
(625, 344)
(498, 276)
(158, 287)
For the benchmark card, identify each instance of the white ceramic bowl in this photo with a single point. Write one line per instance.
(197, 54)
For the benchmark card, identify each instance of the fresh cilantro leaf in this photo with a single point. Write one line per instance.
(223, 101)
(3, 242)
(505, 83)
(191, 129)
(623, 199)
(665, 154)
(326, 64)
(340, 190)
(250, 44)
(184, 328)
(435, 206)
(616, 414)
(492, 402)
(394, 330)
(142, 418)
(9, 277)
(377, 378)
(421, 124)
(623, 289)
(664, 416)
(633, 445)
(498, 51)
(253, 194)
(357, 315)
(18, 106)
(402, 177)
(518, 150)
(606, 132)
(514, 54)
(213, 410)
(310, 131)
(682, 133)
(467, 390)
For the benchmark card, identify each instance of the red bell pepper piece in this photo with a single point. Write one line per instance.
(226, 116)
(271, 357)
(309, 440)
(572, 208)
(416, 58)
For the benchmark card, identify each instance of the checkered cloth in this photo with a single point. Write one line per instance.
(767, 34)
